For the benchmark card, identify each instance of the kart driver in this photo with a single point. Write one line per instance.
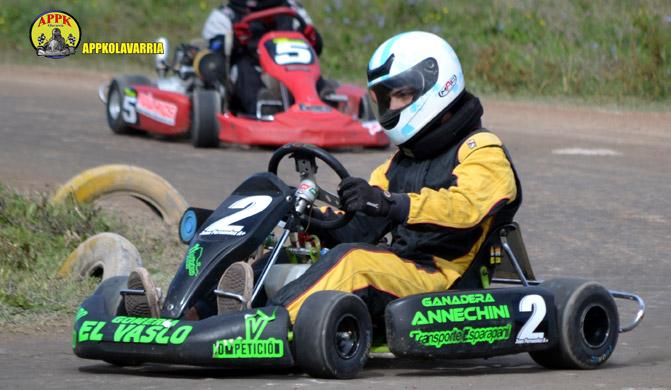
(439, 195)
(450, 182)
(245, 71)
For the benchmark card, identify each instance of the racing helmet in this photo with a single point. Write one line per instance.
(420, 70)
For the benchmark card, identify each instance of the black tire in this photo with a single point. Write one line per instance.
(588, 325)
(114, 105)
(206, 104)
(333, 335)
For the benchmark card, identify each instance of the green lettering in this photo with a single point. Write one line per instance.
(500, 311)
(468, 315)
(95, 333)
(81, 313)
(434, 316)
(482, 312)
(150, 334)
(161, 338)
(121, 332)
(419, 319)
(85, 330)
(180, 335)
(457, 314)
(134, 335)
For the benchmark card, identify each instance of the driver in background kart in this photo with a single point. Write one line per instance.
(245, 72)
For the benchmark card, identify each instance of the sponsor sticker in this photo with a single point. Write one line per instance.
(252, 345)
(55, 34)
(156, 109)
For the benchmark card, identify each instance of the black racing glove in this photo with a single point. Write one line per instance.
(357, 195)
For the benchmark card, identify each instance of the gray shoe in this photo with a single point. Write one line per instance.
(144, 305)
(236, 285)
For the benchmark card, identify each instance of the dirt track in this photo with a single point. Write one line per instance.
(605, 216)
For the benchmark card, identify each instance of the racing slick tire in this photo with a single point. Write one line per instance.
(115, 103)
(106, 255)
(206, 104)
(588, 325)
(140, 183)
(333, 335)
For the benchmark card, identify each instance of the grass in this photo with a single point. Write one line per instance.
(601, 50)
(35, 238)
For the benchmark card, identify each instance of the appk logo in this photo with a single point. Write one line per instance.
(55, 34)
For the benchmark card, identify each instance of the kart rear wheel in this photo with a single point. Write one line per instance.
(115, 103)
(333, 334)
(206, 104)
(588, 325)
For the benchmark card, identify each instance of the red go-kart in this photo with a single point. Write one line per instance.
(192, 94)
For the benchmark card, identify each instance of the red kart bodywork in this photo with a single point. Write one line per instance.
(162, 112)
(309, 119)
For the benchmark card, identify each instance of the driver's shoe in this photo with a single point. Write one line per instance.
(238, 280)
(142, 305)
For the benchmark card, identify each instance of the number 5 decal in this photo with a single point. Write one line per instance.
(250, 205)
(292, 52)
(128, 112)
(536, 305)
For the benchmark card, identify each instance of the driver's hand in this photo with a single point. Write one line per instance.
(357, 195)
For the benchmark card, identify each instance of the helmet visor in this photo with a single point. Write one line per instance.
(392, 95)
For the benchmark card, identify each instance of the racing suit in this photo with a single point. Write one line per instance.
(450, 187)
(245, 72)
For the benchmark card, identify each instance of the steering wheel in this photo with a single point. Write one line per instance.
(266, 17)
(306, 166)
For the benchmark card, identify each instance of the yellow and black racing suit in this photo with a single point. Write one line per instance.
(455, 197)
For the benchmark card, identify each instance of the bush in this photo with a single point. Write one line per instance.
(612, 49)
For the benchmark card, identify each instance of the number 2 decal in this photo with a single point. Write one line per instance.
(250, 205)
(536, 305)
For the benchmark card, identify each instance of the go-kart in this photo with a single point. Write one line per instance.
(192, 94)
(562, 323)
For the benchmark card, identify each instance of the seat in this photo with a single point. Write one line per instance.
(503, 255)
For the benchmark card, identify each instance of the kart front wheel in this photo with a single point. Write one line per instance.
(121, 107)
(588, 325)
(333, 334)
(206, 104)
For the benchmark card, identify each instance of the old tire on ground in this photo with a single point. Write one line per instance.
(115, 102)
(206, 104)
(588, 325)
(140, 183)
(105, 255)
(333, 335)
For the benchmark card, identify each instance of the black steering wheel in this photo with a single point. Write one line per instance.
(306, 166)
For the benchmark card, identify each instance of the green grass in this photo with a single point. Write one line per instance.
(605, 50)
(36, 237)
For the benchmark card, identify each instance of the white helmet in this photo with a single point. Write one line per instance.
(419, 63)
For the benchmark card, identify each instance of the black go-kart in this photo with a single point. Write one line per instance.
(561, 323)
